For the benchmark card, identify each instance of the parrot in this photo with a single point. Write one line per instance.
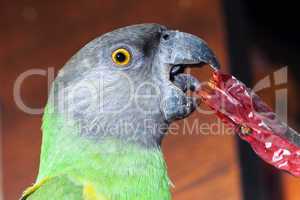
(108, 110)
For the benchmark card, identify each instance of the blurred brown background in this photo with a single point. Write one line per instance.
(42, 34)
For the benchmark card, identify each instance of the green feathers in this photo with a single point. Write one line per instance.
(115, 169)
(60, 187)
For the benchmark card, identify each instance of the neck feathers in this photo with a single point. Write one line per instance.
(108, 164)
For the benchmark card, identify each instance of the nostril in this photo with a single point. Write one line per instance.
(166, 36)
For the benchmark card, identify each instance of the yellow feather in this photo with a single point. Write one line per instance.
(89, 193)
(33, 188)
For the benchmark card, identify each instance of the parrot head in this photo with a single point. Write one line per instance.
(129, 83)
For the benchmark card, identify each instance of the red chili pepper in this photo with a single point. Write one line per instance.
(252, 120)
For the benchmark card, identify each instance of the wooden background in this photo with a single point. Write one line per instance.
(43, 34)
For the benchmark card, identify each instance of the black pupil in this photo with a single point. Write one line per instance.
(120, 57)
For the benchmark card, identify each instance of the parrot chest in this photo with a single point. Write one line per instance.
(116, 169)
(115, 172)
(128, 175)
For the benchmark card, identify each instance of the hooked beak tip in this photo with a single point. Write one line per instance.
(215, 64)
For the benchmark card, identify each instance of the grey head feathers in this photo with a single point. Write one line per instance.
(135, 102)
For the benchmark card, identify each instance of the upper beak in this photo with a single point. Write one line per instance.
(184, 48)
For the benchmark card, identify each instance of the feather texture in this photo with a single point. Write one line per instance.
(111, 168)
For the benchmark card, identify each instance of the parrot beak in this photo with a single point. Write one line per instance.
(178, 51)
(187, 49)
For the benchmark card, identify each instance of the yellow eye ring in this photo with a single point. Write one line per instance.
(121, 57)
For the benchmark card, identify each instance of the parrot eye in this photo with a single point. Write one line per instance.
(121, 57)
